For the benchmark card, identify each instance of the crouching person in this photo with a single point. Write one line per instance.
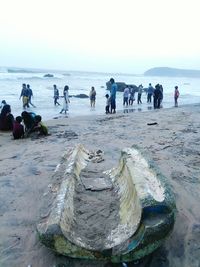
(39, 126)
(18, 128)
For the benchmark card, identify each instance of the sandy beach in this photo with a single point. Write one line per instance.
(27, 184)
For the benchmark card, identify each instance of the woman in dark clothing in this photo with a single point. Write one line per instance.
(6, 119)
(29, 121)
(157, 96)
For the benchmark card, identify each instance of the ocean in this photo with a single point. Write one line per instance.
(80, 82)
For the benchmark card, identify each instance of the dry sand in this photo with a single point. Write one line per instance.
(26, 168)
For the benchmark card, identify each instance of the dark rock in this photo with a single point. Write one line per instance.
(48, 75)
(121, 86)
(80, 96)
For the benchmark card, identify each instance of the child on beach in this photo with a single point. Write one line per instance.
(176, 96)
(108, 101)
(18, 128)
(39, 126)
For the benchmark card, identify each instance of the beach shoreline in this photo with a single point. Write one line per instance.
(169, 136)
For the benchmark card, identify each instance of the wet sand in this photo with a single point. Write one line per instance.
(172, 139)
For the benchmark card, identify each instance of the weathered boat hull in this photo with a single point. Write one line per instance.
(145, 208)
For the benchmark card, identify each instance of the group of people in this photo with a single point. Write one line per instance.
(111, 99)
(155, 93)
(21, 126)
(29, 122)
(26, 95)
(65, 96)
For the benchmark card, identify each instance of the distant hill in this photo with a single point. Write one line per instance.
(171, 72)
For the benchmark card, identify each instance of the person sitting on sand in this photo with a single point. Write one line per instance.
(29, 121)
(18, 128)
(6, 119)
(92, 97)
(39, 126)
(66, 99)
(108, 102)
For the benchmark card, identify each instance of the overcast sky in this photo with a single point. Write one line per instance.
(100, 35)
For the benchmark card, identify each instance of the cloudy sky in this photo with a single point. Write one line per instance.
(100, 35)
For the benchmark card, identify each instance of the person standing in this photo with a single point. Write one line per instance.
(113, 95)
(131, 96)
(157, 97)
(125, 96)
(140, 88)
(25, 96)
(65, 99)
(30, 95)
(150, 91)
(176, 96)
(92, 97)
(56, 95)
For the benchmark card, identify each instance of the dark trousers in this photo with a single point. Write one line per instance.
(156, 102)
(107, 109)
(149, 98)
(139, 101)
(113, 105)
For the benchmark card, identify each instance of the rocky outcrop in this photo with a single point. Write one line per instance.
(117, 215)
(80, 96)
(121, 86)
(172, 72)
(48, 75)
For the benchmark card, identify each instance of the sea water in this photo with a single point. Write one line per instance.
(80, 83)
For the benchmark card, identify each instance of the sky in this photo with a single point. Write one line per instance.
(128, 36)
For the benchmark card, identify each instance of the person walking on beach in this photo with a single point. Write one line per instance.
(113, 95)
(140, 88)
(30, 95)
(92, 97)
(176, 96)
(65, 99)
(25, 96)
(125, 96)
(150, 91)
(56, 95)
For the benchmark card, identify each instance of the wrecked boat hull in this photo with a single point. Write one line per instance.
(145, 208)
